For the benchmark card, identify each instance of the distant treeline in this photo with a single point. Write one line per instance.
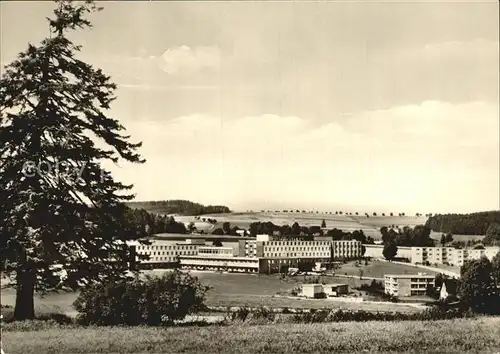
(419, 236)
(464, 224)
(147, 224)
(305, 232)
(181, 207)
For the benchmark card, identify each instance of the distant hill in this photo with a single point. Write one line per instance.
(464, 224)
(181, 207)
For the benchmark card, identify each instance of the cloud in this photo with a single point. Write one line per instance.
(433, 156)
(187, 60)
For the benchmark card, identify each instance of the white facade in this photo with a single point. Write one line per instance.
(296, 249)
(217, 262)
(376, 251)
(309, 249)
(435, 255)
(263, 237)
(407, 284)
(164, 251)
(346, 249)
(210, 251)
(311, 290)
(450, 255)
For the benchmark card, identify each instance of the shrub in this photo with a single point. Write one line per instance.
(151, 300)
(320, 296)
(264, 313)
(340, 315)
(240, 315)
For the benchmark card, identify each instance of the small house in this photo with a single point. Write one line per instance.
(311, 290)
(335, 289)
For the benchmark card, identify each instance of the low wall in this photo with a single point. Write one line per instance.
(375, 251)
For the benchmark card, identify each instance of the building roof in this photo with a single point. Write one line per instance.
(408, 276)
(335, 285)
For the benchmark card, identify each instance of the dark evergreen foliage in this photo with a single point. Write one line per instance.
(464, 224)
(153, 301)
(62, 215)
(477, 287)
(419, 236)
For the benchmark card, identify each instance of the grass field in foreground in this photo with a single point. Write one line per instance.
(451, 336)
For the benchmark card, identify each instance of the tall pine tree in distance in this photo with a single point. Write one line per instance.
(62, 215)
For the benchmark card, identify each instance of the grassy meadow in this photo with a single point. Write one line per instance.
(233, 289)
(448, 336)
(377, 269)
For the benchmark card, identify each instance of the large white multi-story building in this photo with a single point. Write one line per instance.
(275, 253)
(261, 254)
(268, 248)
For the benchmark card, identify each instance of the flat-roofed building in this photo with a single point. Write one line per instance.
(330, 290)
(350, 249)
(407, 284)
(247, 248)
(335, 289)
(163, 253)
(311, 290)
(450, 255)
(219, 259)
(275, 253)
(210, 251)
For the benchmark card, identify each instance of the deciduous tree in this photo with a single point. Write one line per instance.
(477, 288)
(390, 250)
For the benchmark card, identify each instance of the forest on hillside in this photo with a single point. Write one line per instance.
(181, 207)
(464, 224)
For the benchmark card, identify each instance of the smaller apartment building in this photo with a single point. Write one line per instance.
(450, 255)
(408, 284)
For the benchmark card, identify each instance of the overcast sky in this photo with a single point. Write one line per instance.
(353, 105)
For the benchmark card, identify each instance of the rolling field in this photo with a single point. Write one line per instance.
(348, 223)
(342, 222)
(449, 336)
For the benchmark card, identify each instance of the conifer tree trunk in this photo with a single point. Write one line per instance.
(25, 295)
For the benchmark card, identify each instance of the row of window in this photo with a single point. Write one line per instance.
(217, 262)
(167, 259)
(174, 253)
(295, 243)
(313, 248)
(166, 247)
(215, 251)
(307, 254)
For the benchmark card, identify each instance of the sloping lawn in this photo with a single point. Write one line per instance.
(451, 336)
(377, 269)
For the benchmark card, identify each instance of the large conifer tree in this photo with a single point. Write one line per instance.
(59, 208)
